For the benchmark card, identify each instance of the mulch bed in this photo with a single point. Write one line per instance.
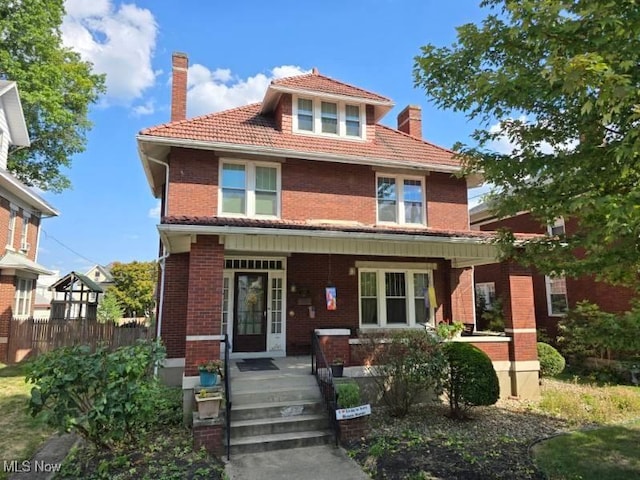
(493, 444)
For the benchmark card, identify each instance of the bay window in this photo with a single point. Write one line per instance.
(250, 189)
(395, 298)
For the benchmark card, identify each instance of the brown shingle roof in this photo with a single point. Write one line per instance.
(247, 126)
(319, 83)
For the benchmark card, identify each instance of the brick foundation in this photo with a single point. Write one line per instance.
(209, 434)
(353, 429)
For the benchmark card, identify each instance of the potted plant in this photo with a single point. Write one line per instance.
(337, 367)
(209, 371)
(208, 404)
(449, 330)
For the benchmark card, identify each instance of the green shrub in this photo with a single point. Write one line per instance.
(470, 380)
(348, 395)
(551, 362)
(109, 398)
(404, 367)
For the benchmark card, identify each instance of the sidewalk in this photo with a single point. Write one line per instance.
(324, 462)
(47, 460)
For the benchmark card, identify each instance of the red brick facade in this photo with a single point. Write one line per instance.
(610, 298)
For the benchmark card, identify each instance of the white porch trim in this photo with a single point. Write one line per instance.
(203, 338)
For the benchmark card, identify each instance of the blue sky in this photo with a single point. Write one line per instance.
(234, 49)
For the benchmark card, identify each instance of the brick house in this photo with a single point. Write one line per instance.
(303, 212)
(552, 295)
(21, 211)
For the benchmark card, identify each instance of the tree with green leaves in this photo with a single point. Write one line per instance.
(134, 287)
(56, 88)
(109, 309)
(561, 79)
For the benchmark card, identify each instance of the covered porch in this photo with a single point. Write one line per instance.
(270, 284)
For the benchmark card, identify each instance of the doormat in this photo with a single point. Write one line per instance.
(256, 365)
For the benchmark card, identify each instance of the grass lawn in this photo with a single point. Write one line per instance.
(605, 453)
(22, 434)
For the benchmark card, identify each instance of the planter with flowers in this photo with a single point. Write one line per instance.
(208, 403)
(210, 371)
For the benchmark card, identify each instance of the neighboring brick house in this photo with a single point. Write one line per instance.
(21, 211)
(303, 212)
(552, 295)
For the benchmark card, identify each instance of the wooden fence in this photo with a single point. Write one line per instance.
(32, 337)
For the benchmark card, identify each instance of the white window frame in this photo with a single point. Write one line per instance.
(381, 297)
(400, 198)
(11, 233)
(486, 289)
(547, 284)
(316, 103)
(557, 223)
(24, 234)
(24, 290)
(250, 188)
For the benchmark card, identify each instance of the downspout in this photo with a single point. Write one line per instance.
(161, 260)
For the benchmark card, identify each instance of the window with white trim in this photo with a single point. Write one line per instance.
(557, 227)
(400, 199)
(486, 292)
(249, 189)
(557, 303)
(13, 214)
(317, 116)
(395, 297)
(24, 287)
(24, 236)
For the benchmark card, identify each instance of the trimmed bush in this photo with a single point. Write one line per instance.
(348, 395)
(406, 366)
(551, 362)
(471, 379)
(109, 398)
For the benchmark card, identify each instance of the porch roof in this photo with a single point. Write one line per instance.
(463, 248)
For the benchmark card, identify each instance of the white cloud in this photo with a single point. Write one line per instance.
(118, 41)
(154, 212)
(147, 108)
(504, 145)
(215, 90)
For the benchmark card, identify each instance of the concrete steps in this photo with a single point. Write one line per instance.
(272, 412)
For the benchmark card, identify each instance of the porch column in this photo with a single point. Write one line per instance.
(204, 307)
(462, 307)
(7, 295)
(520, 325)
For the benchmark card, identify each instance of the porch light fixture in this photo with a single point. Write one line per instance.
(352, 271)
(293, 288)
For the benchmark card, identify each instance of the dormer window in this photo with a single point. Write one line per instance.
(331, 119)
(305, 114)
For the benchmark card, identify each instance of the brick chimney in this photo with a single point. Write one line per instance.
(410, 121)
(180, 63)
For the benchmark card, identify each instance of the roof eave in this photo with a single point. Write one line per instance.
(287, 153)
(15, 115)
(24, 193)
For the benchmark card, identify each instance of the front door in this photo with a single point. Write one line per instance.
(250, 307)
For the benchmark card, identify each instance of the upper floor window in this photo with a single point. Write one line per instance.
(249, 189)
(313, 115)
(557, 227)
(13, 214)
(400, 200)
(24, 237)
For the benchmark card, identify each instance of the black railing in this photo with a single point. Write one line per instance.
(322, 371)
(227, 391)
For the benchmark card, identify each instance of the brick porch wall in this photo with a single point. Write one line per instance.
(174, 311)
(204, 308)
(7, 295)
